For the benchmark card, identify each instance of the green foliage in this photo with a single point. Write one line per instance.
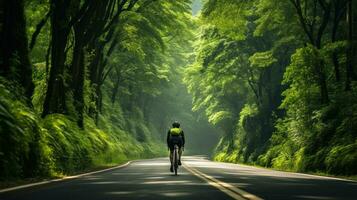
(262, 59)
(141, 66)
(286, 88)
(342, 159)
(23, 150)
(303, 90)
(219, 116)
(55, 145)
(216, 12)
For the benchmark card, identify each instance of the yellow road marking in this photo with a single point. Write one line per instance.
(227, 188)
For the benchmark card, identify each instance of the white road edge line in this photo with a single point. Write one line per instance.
(63, 179)
(287, 172)
(227, 188)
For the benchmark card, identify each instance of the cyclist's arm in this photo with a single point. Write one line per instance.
(168, 138)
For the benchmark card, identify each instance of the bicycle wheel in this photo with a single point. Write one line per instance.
(175, 159)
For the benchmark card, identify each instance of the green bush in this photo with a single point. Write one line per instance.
(342, 159)
(55, 146)
(22, 149)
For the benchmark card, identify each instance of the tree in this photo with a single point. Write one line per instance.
(14, 61)
(315, 31)
(55, 101)
(351, 42)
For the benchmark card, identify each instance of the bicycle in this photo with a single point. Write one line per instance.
(175, 158)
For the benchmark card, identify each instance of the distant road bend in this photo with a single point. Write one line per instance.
(199, 179)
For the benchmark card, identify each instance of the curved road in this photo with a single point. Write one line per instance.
(199, 179)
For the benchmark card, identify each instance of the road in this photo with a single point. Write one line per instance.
(199, 179)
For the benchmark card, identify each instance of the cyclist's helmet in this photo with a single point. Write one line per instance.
(176, 124)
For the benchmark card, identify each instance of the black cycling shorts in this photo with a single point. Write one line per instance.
(175, 140)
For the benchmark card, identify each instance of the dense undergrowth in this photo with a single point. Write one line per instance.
(54, 146)
(331, 146)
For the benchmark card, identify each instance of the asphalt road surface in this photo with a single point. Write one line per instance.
(198, 179)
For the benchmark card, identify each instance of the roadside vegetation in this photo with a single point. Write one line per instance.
(86, 84)
(279, 78)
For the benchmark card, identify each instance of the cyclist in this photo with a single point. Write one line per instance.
(175, 136)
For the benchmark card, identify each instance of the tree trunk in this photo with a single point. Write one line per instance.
(94, 76)
(77, 72)
(351, 49)
(115, 89)
(354, 40)
(55, 100)
(336, 66)
(349, 40)
(14, 60)
(338, 8)
(323, 84)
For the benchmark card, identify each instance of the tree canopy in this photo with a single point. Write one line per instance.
(279, 78)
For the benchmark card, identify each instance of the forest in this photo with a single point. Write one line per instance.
(86, 84)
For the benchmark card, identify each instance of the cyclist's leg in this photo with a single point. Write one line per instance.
(179, 155)
(173, 141)
(180, 151)
(171, 147)
(171, 156)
